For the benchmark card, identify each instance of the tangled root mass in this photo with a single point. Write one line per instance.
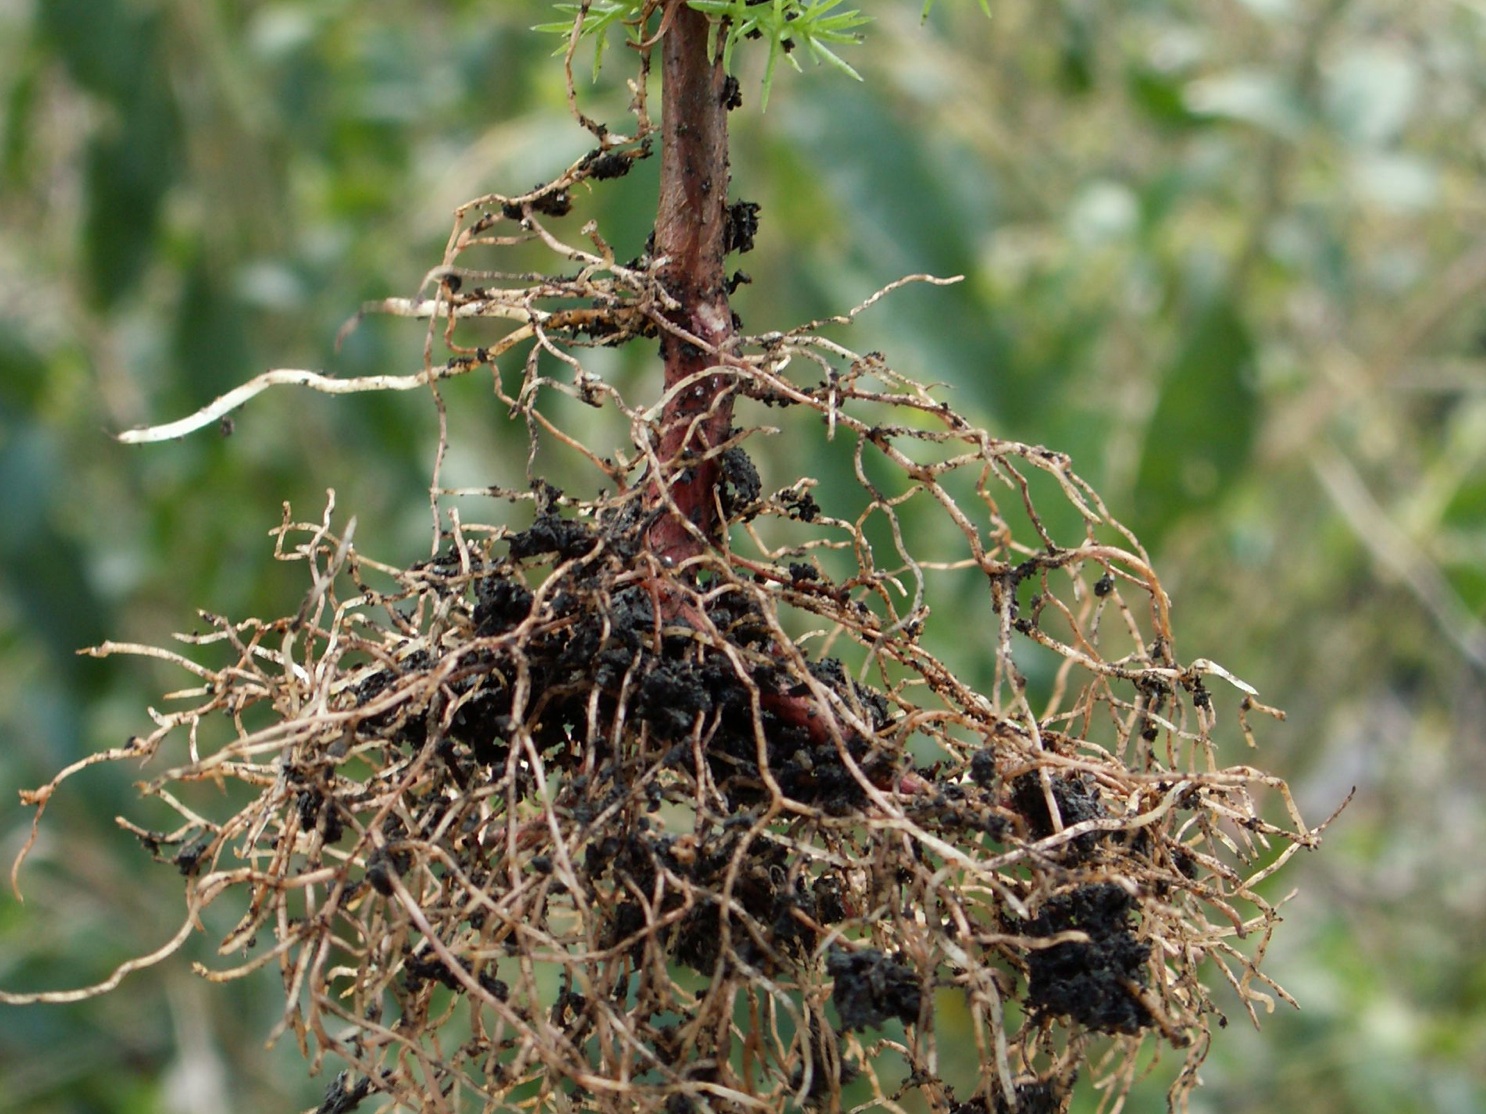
(550, 821)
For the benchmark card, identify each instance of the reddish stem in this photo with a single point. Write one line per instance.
(691, 235)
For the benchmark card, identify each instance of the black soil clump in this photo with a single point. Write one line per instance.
(383, 866)
(732, 93)
(343, 1096)
(483, 723)
(741, 484)
(871, 989)
(771, 893)
(595, 653)
(805, 760)
(799, 505)
(983, 769)
(601, 164)
(551, 533)
(1090, 982)
(1033, 1096)
(742, 226)
(671, 696)
(501, 604)
(1077, 799)
(552, 203)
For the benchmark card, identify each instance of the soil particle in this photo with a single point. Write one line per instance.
(500, 605)
(742, 226)
(342, 1096)
(732, 93)
(1090, 982)
(1033, 1096)
(871, 989)
(188, 859)
(602, 164)
(383, 866)
(670, 697)
(418, 969)
(1077, 799)
(307, 803)
(741, 484)
(983, 769)
(830, 905)
(551, 533)
(698, 941)
(799, 504)
(554, 203)
(483, 722)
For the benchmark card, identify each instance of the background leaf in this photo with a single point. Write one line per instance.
(1198, 441)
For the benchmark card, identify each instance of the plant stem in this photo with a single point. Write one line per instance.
(691, 235)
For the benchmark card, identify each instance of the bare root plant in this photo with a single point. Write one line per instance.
(655, 797)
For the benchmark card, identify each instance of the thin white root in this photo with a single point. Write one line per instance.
(82, 994)
(281, 377)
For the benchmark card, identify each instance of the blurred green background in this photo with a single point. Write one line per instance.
(1230, 256)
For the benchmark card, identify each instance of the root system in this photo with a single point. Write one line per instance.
(553, 820)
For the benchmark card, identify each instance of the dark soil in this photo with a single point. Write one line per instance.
(1077, 799)
(871, 989)
(1090, 982)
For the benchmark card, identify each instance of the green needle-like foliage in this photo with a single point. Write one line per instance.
(783, 25)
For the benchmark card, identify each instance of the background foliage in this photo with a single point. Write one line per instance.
(1228, 256)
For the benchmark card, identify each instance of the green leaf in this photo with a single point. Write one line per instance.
(22, 372)
(1159, 95)
(107, 49)
(598, 17)
(19, 113)
(131, 160)
(211, 341)
(127, 177)
(1077, 48)
(1200, 436)
(42, 570)
(785, 25)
